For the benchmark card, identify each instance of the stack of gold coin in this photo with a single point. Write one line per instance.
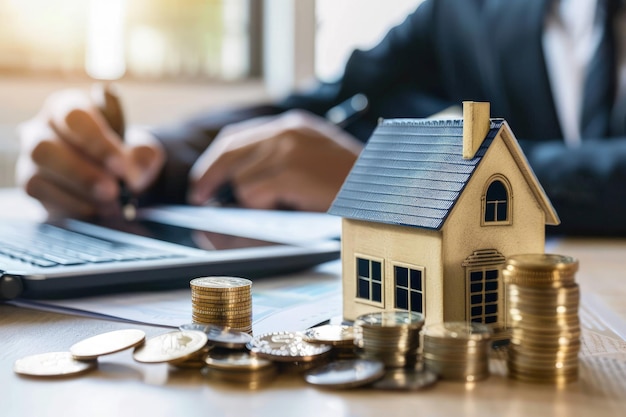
(391, 337)
(224, 301)
(543, 300)
(457, 351)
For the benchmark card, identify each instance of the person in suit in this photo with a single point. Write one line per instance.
(530, 59)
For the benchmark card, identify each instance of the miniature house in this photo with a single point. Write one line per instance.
(431, 210)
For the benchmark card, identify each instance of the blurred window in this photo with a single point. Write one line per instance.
(143, 39)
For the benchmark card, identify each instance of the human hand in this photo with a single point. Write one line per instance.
(72, 161)
(295, 160)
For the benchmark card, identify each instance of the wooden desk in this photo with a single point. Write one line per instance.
(122, 387)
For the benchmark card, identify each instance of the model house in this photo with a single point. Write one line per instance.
(431, 210)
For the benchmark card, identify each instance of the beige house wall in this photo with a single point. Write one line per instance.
(391, 245)
(463, 233)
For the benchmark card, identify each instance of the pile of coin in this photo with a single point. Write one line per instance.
(289, 350)
(543, 300)
(391, 337)
(224, 301)
(457, 351)
(340, 337)
(239, 367)
(81, 357)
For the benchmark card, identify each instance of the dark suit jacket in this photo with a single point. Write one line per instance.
(446, 52)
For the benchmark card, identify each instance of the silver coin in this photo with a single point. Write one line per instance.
(170, 347)
(346, 373)
(402, 379)
(107, 343)
(52, 364)
(286, 347)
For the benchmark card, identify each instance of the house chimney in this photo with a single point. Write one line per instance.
(475, 126)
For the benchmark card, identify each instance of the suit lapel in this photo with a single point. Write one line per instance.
(517, 40)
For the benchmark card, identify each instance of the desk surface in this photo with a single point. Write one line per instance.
(122, 387)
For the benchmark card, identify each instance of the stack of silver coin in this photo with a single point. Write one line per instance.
(391, 337)
(224, 301)
(543, 300)
(457, 351)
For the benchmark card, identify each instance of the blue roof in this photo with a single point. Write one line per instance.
(411, 173)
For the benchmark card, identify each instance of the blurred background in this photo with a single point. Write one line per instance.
(175, 58)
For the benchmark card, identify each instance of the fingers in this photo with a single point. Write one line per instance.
(293, 160)
(72, 161)
(74, 119)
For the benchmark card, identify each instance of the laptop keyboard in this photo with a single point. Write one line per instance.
(46, 245)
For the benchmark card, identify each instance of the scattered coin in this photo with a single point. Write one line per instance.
(345, 374)
(107, 343)
(170, 347)
(406, 379)
(286, 347)
(52, 364)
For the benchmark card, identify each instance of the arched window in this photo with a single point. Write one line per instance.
(496, 202)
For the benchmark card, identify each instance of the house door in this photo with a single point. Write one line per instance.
(484, 289)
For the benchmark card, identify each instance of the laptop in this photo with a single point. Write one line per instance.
(72, 258)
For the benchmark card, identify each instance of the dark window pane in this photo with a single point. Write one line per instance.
(496, 191)
(476, 276)
(476, 287)
(363, 267)
(491, 274)
(490, 211)
(416, 302)
(491, 309)
(376, 271)
(402, 276)
(477, 299)
(402, 299)
(363, 289)
(491, 285)
(502, 212)
(376, 292)
(491, 319)
(491, 297)
(416, 279)
(477, 320)
(477, 311)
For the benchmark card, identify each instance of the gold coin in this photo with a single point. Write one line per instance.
(107, 343)
(286, 347)
(331, 334)
(52, 364)
(237, 361)
(540, 269)
(220, 282)
(170, 347)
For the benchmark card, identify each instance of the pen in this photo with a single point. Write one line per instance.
(341, 115)
(109, 105)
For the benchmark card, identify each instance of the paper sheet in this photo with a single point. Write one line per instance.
(292, 302)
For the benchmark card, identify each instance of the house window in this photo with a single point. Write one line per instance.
(483, 295)
(496, 202)
(369, 280)
(409, 289)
